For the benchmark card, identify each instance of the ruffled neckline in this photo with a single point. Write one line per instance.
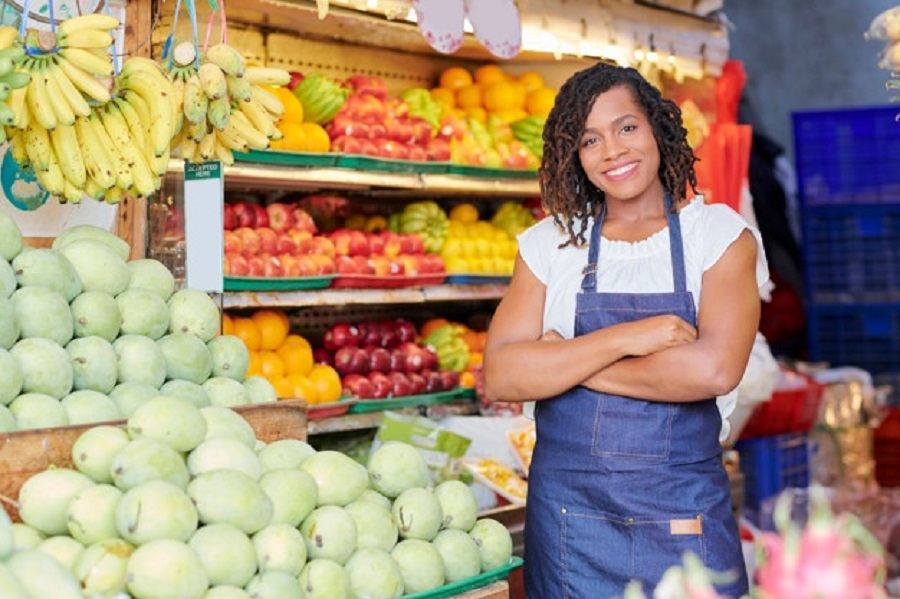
(656, 243)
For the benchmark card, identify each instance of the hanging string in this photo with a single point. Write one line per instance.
(24, 19)
(170, 39)
(223, 24)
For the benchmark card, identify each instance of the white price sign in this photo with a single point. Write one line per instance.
(204, 194)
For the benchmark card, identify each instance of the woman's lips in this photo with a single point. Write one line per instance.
(620, 172)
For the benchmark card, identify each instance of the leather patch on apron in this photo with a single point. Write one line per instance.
(694, 526)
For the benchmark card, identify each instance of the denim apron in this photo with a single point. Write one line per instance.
(619, 488)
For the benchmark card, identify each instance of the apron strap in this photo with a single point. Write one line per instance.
(676, 250)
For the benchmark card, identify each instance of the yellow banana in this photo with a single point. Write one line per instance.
(196, 131)
(195, 101)
(88, 21)
(268, 100)
(177, 104)
(93, 190)
(121, 170)
(71, 194)
(17, 147)
(144, 180)
(17, 102)
(64, 140)
(84, 81)
(39, 102)
(206, 147)
(8, 36)
(158, 92)
(239, 88)
(259, 118)
(114, 195)
(86, 38)
(7, 117)
(219, 113)
(188, 149)
(135, 127)
(67, 91)
(233, 139)
(223, 152)
(61, 108)
(255, 138)
(267, 76)
(52, 179)
(99, 66)
(212, 81)
(159, 164)
(226, 58)
(98, 163)
(138, 104)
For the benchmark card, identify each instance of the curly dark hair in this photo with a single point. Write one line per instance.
(566, 192)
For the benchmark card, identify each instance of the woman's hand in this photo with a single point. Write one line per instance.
(655, 333)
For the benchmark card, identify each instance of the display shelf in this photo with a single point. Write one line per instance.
(370, 420)
(329, 297)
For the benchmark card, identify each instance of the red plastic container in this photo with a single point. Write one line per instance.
(792, 409)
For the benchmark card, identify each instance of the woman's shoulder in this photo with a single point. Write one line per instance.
(545, 231)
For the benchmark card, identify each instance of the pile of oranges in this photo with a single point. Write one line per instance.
(491, 90)
(285, 359)
(298, 135)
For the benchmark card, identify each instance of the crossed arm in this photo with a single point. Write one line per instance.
(661, 358)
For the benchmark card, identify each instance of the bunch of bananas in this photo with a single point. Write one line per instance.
(530, 131)
(12, 52)
(451, 347)
(223, 105)
(513, 217)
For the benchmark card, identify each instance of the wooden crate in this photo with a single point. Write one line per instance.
(24, 453)
(497, 590)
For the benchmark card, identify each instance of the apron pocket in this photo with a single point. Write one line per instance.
(660, 544)
(597, 555)
(630, 428)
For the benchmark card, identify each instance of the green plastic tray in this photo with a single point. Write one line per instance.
(286, 158)
(372, 163)
(407, 401)
(276, 283)
(470, 584)
(492, 173)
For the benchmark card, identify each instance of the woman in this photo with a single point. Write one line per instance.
(600, 327)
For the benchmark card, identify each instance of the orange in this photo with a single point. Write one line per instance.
(283, 387)
(540, 101)
(431, 325)
(303, 388)
(255, 365)
(475, 359)
(531, 80)
(478, 113)
(469, 96)
(489, 73)
(293, 107)
(455, 78)
(443, 96)
(317, 138)
(271, 365)
(465, 213)
(296, 339)
(273, 327)
(296, 358)
(467, 379)
(294, 137)
(327, 382)
(502, 95)
(227, 324)
(247, 329)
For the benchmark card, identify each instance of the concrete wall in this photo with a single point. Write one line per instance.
(806, 54)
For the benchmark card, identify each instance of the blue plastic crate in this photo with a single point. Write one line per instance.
(862, 335)
(852, 253)
(848, 156)
(772, 464)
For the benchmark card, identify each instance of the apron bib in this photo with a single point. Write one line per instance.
(619, 488)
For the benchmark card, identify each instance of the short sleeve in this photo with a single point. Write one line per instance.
(536, 245)
(721, 227)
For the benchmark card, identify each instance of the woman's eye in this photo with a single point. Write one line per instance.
(588, 141)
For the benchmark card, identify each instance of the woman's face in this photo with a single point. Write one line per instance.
(618, 150)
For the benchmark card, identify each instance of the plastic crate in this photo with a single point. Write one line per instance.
(862, 335)
(792, 409)
(772, 464)
(847, 156)
(852, 253)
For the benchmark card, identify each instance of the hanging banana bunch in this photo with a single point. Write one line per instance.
(223, 108)
(12, 79)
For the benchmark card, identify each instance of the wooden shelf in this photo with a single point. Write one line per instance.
(343, 297)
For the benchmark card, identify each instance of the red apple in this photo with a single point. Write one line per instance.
(346, 125)
(418, 153)
(358, 386)
(416, 244)
(281, 216)
(376, 244)
(379, 359)
(323, 356)
(303, 241)
(290, 266)
(268, 240)
(382, 265)
(303, 220)
(431, 357)
(232, 243)
(324, 264)
(381, 383)
(377, 133)
(358, 243)
(323, 245)
(367, 85)
(296, 78)
(405, 329)
(285, 244)
(397, 268)
(450, 378)
(345, 265)
(238, 265)
(367, 147)
(350, 358)
(388, 333)
(340, 334)
(226, 265)
(415, 358)
(250, 241)
(273, 267)
(364, 264)
(369, 333)
(422, 131)
(392, 244)
(433, 381)
(229, 220)
(345, 144)
(410, 264)
(438, 150)
(398, 359)
(417, 382)
(400, 385)
(262, 217)
(400, 131)
(256, 266)
(244, 214)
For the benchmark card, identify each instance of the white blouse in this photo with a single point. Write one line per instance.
(635, 267)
